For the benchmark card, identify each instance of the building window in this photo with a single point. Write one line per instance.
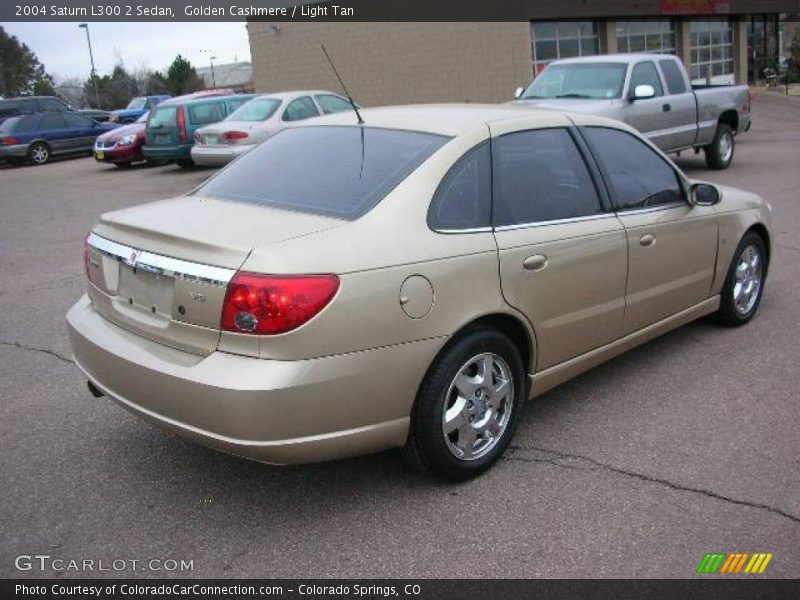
(562, 39)
(712, 51)
(656, 35)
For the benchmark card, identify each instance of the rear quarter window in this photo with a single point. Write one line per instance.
(293, 170)
(673, 76)
(202, 114)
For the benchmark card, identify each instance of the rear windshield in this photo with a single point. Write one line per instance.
(163, 115)
(259, 109)
(296, 169)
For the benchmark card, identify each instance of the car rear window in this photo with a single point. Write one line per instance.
(259, 109)
(293, 170)
(18, 125)
(164, 115)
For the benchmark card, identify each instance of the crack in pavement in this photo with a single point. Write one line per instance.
(52, 353)
(554, 457)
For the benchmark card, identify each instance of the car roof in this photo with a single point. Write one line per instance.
(201, 100)
(449, 119)
(624, 58)
(297, 93)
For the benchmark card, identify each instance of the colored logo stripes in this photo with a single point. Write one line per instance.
(722, 563)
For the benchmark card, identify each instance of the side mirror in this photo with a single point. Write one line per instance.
(705, 194)
(518, 93)
(643, 92)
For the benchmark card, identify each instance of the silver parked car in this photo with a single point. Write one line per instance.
(262, 117)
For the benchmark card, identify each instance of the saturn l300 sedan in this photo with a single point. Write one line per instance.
(411, 281)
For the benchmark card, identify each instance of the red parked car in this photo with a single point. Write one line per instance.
(123, 146)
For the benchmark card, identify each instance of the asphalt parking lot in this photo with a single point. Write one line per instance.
(688, 445)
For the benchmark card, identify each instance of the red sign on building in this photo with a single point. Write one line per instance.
(695, 7)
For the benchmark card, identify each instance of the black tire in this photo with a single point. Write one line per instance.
(39, 153)
(125, 165)
(427, 447)
(718, 156)
(729, 314)
(185, 163)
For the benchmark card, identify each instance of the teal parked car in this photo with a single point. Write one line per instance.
(171, 125)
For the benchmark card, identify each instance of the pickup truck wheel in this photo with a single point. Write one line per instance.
(744, 285)
(468, 406)
(39, 153)
(719, 155)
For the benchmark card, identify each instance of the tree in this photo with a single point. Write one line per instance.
(182, 78)
(21, 72)
(113, 91)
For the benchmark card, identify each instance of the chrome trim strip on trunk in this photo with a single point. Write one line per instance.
(159, 263)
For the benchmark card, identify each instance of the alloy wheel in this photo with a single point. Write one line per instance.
(748, 278)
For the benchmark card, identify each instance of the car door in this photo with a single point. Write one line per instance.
(672, 245)
(651, 116)
(562, 251)
(299, 109)
(53, 129)
(681, 107)
(82, 132)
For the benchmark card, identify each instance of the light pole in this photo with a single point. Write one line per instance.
(213, 79)
(91, 59)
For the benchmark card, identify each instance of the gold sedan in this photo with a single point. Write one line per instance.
(409, 282)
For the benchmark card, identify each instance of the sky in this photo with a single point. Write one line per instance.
(63, 50)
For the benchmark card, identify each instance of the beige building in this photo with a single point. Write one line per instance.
(398, 63)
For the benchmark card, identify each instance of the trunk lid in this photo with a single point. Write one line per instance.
(161, 270)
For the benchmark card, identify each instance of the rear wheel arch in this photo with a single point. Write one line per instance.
(514, 327)
(730, 117)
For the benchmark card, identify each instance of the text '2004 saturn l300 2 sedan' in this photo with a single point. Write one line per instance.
(409, 281)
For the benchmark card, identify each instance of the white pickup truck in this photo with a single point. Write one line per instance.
(653, 93)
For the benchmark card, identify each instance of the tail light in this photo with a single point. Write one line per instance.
(8, 141)
(182, 134)
(272, 304)
(231, 136)
(748, 103)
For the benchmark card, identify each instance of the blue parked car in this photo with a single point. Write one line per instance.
(136, 108)
(37, 138)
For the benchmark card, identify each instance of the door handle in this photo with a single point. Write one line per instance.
(647, 240)
(537, 262)
(667, 107)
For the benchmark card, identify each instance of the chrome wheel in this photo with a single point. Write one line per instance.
(39, 154)
(478, 407)
(747, 282)
(726, 147)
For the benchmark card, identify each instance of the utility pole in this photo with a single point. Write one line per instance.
(91, 59)
(213, 78)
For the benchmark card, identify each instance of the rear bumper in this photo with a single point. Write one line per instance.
(217, 156)
(280, 412)
(180, 152)
(15, 151)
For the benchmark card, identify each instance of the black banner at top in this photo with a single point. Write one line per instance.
(371, 10)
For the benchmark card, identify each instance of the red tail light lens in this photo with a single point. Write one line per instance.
(235, 135)
(8, 141)
(272, 304)
(183, 136)
(746, 107)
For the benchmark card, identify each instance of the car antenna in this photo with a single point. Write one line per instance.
(349, 97)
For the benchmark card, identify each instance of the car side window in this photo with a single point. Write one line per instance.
(77, 121)
(332, 104)
(638, 177)
(202, 114)
(464, 197)
(27, 106)
(299, 109)
(51, 105)
(676, 84)
(645, 73)
(540, 176)
(52, 122)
